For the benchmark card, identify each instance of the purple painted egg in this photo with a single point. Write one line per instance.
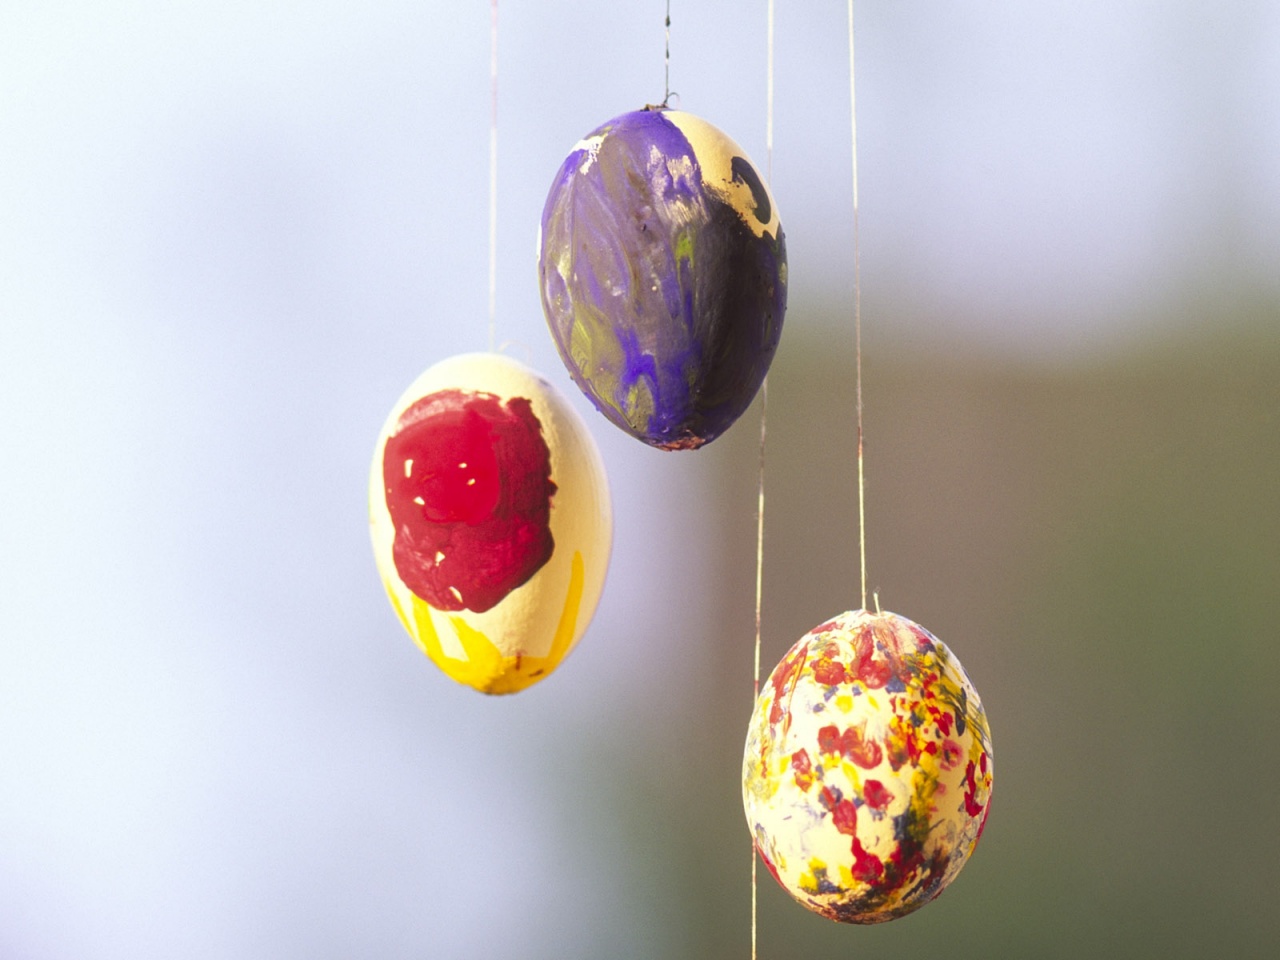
(663, 271)
(867, 772)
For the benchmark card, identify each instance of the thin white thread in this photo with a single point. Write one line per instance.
(764, 409)
(755, 675)
(666, 61)
(493, 172)
(768, 126)
(857, 311)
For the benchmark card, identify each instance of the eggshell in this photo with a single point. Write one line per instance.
(491, 520)
(663, 270)
(867, 771)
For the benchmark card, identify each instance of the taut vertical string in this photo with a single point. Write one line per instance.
(857, 312)
(493, 172)
(764, 409)
(666, 60)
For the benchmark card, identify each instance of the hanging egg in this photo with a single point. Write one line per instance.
(867, 772)
(663, 271)
(491, 520)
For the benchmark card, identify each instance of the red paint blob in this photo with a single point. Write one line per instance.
(468, 486)
(829, 739)
(971, 805)
(845, 818)
(944, 721)
(853, 744)
(876, 794)
(865, 753)
(867, 867)
(874, 673)
(803, 768)
(828, 670)
(781, 679)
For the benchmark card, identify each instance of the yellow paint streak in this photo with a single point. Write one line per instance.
(809, 879)
(684, 247)
(852, 774)
(844, 703)
(638, 406)
(483, 665)
(846, 877)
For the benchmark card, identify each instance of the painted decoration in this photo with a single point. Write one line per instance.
(491, 520)
(663, 271)
(867, 772)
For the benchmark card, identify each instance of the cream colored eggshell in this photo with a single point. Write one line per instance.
(529, 632)
(715, 151)
(866, 796)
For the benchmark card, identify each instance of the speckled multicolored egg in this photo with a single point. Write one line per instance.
(663, 270)
(867, 771)
(491, 520)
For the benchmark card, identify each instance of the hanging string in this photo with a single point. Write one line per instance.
(493, 172)
(857, 314)
(764, 408)
(755, 677)
(768, 96)
(666, 62)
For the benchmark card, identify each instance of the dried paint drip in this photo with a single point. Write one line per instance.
(867, 771)
(663, 271)
(491, 521)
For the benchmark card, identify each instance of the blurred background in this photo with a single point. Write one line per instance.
(232, 233)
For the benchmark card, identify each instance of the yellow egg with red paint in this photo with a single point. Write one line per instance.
(867, 770)
(491, 520)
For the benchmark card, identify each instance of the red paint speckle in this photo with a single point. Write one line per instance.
(951, 755)
(923, 641)
(827, 670)
(829, 739)
(971, 805)
(983, 824)
(780, 680)
(944, 721)
(803, 768)
(468, 486)
(865, 753)
(874, 673)
(852, 744)
(829, 798)
(845, 817)
(876, 794)
(867, 867)
(902, 746)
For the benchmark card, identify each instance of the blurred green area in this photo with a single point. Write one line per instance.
(1099, 543)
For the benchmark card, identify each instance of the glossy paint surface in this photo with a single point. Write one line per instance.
(468, 486)
(663, 271)
(867, 771)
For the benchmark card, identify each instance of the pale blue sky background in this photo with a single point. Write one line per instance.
(231, 233)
